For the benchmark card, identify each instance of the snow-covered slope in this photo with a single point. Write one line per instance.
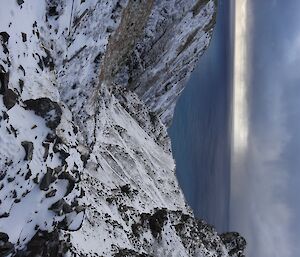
(87, 89)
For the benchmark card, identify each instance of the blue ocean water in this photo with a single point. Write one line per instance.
(200, 131)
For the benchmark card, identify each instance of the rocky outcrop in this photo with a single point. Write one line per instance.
(6, 247)
(87, 89)
(47, 109)
(235, 243)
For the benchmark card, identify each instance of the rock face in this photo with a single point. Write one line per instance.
(234, 243)
(87, 89)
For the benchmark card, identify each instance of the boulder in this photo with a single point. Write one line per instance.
(20, 2)
(6, 248)
(61, 207)
(156, 222)
(3, 237)
(4, 36)
(234, 243)
(47, 180)
(45, 244)
(47, 109)
(28, 147)
(10, 98)
(4, 79)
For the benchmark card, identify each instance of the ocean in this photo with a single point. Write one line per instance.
(201, 128)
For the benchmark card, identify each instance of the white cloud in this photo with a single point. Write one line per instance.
(260, 208)
(261, 212)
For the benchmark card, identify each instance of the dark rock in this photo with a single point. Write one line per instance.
(156, 221)
(67, 208)
(47, 109)
(82, 193)
(57, 169)
(10, 98)
(24, 37)
(6, 249)
(4, 79)
(20, 2)
(47, 179)
(63, 224)
(51, 138)
(28, 147)
(22, 69)
(71, 181)
(14, 194)
(2, 175)
(6, 51)
(8, 163)
(3, 237)
(58, 149)
(198, 6)
(5, 37)
(28, 175)
(5, 115)
(48, 60)
(51, 193)
(52, 11)
(84, 158)
(61, 207)
(10, 179)
(46, 153)
(136, 229)
(125, 189)
(109, 200)
(98, 58)
(79, 208)
(45, 244)
(75, 129)
(36, 179)
(234, 243)
(14, 131)
(40, 62)
(4, 215)
(21, 84)
(57, 207)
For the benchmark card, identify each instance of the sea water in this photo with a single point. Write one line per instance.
(201, 128)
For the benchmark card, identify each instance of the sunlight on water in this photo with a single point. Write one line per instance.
(240, 110)
(240, 87)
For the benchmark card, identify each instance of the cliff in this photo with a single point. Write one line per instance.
(87, 90)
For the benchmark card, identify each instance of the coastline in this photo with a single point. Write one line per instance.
(201, 140)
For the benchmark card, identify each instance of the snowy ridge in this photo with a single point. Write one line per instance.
(86, 90)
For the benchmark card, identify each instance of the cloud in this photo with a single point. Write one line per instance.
(264, 204)
(268, 217)
(261, 212)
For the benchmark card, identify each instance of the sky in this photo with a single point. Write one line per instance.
(265, 175)
(265, 145)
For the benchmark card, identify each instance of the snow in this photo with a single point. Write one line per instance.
(16, 20)
(107, 166)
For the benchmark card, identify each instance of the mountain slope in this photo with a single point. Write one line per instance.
(87, 89)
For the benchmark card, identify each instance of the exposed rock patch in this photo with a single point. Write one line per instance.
(47, 109)
(10, 98)
(28, 147)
